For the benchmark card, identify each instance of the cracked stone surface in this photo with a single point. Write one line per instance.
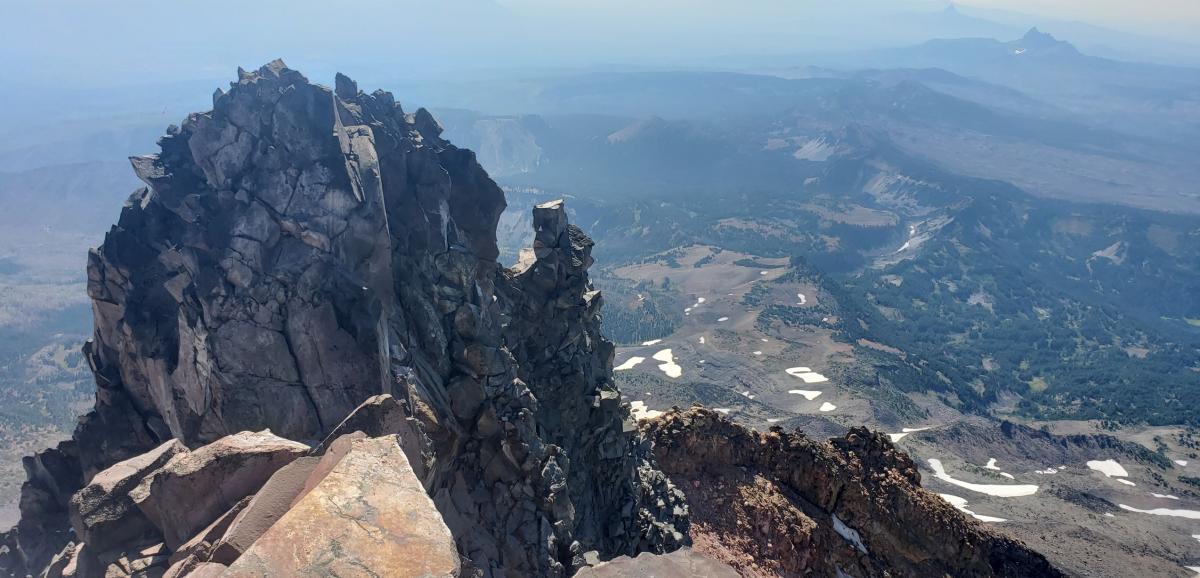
(369, 516)
(298, 250)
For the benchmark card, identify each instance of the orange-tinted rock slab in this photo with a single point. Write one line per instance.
(369, 516)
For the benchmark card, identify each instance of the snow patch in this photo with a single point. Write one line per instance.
(1164, 496)
(722, 319)
(1109, 468)
(668, 365)
(991, 465)
(828, 407)
(629, 363)
(1181, 463)
(1126, 482)
(640, 412)
(849, 534)
(809, 395)
(652, 342)
(808, 375)
(961, 504)
(1001, 490)
(1190, 514)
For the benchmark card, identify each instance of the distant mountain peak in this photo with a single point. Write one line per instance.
(1036, 38)
(1040, 41)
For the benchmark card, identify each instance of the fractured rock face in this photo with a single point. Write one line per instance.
(368, 516)
(299, 250)
(194, 488)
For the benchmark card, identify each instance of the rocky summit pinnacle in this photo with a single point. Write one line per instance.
(297, 250)
(309, 362)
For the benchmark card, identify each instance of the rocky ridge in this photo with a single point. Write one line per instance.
(309, 363)
(781, 504)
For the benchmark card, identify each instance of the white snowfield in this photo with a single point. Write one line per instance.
(1181, 463)
(629, 363)
(803, 299)
(904, 433)
(1109, 468)
(723, 410)
(757, 353)
(809, 395)
(641, 412)
(1164, 496)
(828, 407)
(961, 504)
(1001, 490)
(1190, 514)
(1126, 482)
(668, 365)
(991, 465)
(722, 319)
(652, 342)
(808, 375)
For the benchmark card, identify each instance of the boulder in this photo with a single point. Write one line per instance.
(368, 516)
(265, 508)
(682, 563)
(378, 416)
(192, 489)
(103, 514)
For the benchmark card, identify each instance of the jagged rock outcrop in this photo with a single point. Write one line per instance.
(781, 504)
(298, 250)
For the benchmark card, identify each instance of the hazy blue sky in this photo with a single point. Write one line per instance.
(85, 43)
(1163, 16)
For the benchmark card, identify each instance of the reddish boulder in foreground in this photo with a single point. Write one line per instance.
(369, 513)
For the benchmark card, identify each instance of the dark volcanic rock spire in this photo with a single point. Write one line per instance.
(298, 250)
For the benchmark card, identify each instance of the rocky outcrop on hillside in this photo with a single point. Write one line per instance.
(781, 504)
(300, 249)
